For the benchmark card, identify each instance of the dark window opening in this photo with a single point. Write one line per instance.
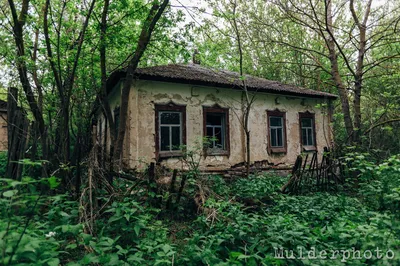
(215, 124)
(216, 129)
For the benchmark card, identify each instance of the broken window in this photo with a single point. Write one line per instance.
(277, 131)
(216, 129)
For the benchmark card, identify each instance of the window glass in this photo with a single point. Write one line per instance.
(214, 119)
(275, 121)
(164, 136)
(276, 131)
(219, 138)
(307, 131)
(310, 136)
(175, 138)
(304, 136)
(306, 122)
(273, 138)
(279, 133)
(210, 132)
(170, 130)
(170, 118)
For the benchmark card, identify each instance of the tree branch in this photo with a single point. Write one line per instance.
(382, 123)
(154, 15)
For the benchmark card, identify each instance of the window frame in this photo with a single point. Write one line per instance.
(169, 107)
(277, 113)
(313, 147)
(217, 110)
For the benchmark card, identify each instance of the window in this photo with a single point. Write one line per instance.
(276, 131)
(216, 128)
(307, 131)
(170, 129)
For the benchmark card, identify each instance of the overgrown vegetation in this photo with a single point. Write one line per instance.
(64, 210)
(240, 222)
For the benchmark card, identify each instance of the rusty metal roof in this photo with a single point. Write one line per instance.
(199, 75)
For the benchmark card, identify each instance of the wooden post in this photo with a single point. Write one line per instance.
(183, 182)
(151, 173)
(171, 189)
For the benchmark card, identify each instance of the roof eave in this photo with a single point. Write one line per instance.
(116, 76)
(221, 85)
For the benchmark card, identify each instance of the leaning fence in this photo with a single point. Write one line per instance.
(310, 174)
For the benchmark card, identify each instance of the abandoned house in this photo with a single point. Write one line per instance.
(3, 126)
(173, 105)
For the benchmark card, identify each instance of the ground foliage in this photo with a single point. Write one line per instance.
(241, 222)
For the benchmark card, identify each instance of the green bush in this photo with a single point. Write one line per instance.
(379, 183)
(26, 237)
(245, 221)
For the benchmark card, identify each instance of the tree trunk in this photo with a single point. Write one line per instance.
(248, 149)
(22, 69)
(344, 98)
(154, 15)
(362, 26)
(103, 92)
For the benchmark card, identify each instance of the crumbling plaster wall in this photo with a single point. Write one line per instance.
(145, 94)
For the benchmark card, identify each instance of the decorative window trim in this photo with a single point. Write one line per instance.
(217, 109)
(305, 148)
(271, 149)
(171, 106)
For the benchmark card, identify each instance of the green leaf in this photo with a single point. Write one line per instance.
(9, 193)
(64, 214)
(53, 182)
(137, 229)
(53, 262)
(86, 238)
(64, 228)
(71, 246)
(15, 183)
(235, 254)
